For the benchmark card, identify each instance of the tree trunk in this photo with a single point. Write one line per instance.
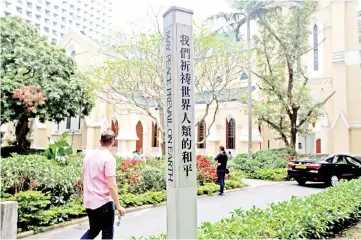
(161, 121)
(293, 138)
(21, 131)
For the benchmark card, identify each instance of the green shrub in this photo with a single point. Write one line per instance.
(279, 174)
(35, 210)
(30, 205)
(264, 163)
(154, 179)
(156, 162)
(35, 172)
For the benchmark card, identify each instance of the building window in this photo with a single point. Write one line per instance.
(201, 134)
(155, 131)
(46, 29)
(38, 17)
(54, 40)
(47, 20)
(38, 9)
(315, 48)
(72, 54)
(115, 129)
(54, 32)
(7, 14)
(47, 12)
(68, 123)
(55, 24)
(28, 21)
(62, 27)
(29, 14)
(19, 10)
(47, 4)
(230, 133)
(29, 4)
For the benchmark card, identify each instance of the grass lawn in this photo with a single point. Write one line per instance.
(354, 232)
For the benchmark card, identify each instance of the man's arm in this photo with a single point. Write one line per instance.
(112, 184)
(113, 191)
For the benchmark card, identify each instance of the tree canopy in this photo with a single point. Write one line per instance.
(288, 104)
(37, 78)
(135, 77)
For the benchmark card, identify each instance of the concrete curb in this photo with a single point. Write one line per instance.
(128, 210)
(82, 220)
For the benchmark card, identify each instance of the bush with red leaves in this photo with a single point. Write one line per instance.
(206, 171)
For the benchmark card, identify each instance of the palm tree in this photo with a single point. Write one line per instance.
(247, 10)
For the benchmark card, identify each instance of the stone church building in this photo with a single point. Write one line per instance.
(333, 65)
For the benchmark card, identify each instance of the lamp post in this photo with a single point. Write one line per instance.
(249, 88)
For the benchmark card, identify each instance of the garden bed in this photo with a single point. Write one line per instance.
(268, 164)
(318, 216)
(49, 192)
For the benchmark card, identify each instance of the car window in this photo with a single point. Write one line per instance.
(353, 161)
(339, 160)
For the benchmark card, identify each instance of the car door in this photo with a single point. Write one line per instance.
(355, 166)
(342, 169)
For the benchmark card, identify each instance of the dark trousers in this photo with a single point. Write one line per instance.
(101, 219)
(221, 174)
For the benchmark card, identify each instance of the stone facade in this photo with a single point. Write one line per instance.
(333, 66)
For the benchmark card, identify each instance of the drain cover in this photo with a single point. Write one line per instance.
(81, 227)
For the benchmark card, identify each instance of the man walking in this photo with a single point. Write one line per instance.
(100, 189)
(221, 159)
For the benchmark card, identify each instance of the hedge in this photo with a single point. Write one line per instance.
(317, 216)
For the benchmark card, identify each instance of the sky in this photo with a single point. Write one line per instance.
(128, 13)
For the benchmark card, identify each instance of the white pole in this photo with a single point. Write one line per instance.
(8, 219)
(179, 124)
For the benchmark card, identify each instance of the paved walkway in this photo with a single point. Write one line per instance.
(152, 221)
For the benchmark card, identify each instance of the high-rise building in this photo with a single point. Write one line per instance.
(53, 18)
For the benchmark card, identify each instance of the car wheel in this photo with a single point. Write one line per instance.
(301, 182)
(334, 180)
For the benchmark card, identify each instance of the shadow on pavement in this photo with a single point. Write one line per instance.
(313, 185)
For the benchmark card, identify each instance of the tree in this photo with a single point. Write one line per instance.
(247, 10)
(288, 104)
(38, 80)
(135, 77)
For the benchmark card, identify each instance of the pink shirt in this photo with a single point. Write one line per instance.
(97, 165)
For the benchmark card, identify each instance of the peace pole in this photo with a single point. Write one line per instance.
(179, 124)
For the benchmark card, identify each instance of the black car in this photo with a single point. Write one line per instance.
(328, 170)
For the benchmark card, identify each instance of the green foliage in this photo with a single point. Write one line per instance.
(267, 165)
(132, 200)
(31, 203)
(153, 178)
(279, 174)
(35, 172)
(315, 217)
(269, 159)
(54, 189)
(28, 60)
(60, 149)
(288, 106)
(35, 210)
